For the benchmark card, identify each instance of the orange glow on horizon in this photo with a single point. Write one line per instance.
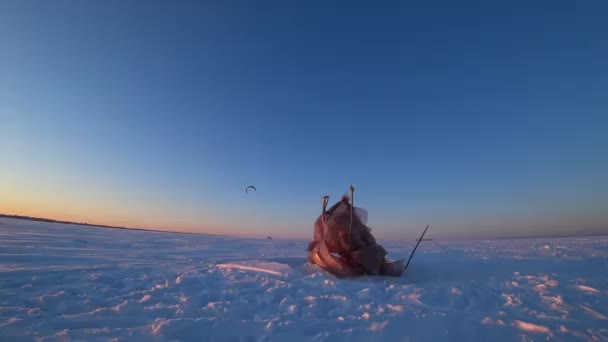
(161, 220)
(60, 213)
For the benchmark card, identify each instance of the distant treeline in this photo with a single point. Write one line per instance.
(39, 219)
(58, 221)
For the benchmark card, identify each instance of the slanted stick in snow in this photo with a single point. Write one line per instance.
(411, 255)
(352, 208)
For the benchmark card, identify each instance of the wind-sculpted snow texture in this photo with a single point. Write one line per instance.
(73, 283)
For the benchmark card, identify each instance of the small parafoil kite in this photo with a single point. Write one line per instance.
(250, 187)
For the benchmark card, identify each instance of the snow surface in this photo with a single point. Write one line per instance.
(74, 283)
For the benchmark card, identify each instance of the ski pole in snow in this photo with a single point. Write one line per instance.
(352, 208)
(411, 255)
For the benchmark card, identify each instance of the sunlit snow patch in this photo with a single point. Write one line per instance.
(274, 268)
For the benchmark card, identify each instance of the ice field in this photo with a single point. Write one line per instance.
(77, 283)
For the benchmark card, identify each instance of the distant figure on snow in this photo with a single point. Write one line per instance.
(344, 246)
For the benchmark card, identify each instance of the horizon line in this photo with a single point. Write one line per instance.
(49, 220)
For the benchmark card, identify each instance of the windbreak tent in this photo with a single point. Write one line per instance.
(344, 246)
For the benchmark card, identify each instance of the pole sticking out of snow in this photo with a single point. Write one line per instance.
(352, 208)
(411, 255)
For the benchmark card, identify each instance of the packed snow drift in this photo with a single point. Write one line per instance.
(67, 282)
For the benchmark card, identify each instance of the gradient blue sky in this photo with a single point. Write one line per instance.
(480, 118)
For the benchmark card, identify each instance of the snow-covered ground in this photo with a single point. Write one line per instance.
(67, 283)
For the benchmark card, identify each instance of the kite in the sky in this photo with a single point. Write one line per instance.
(250, 187)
